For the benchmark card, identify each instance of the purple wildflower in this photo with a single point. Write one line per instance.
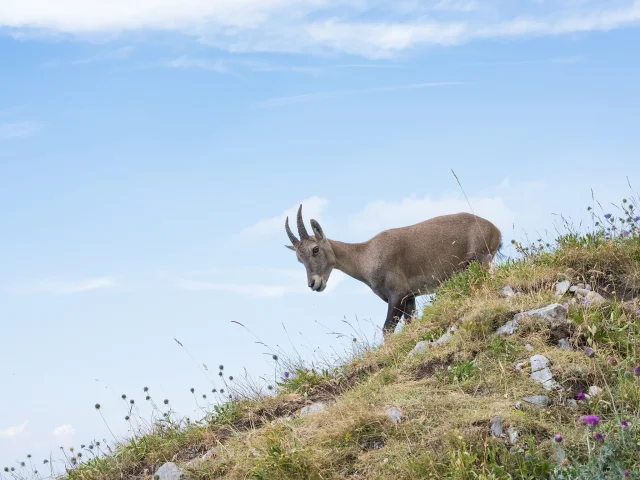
(588, 351)
(638, 313)
(612, 361)
(565, 305)
(581, 396)
(607, 216)
(624, 423)
(489, 256)
(599, 437)
(614, 228)
(626, 474)
(591, 420)
(558, 438)
(625, 233)
(636, 219)
(636, 371)
(286, 374)
(587, 301)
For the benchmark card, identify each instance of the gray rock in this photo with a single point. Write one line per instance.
(528, 347)
(572, 403)
(496, 426)
(587, 287)
(562, 288)
(521, 365)
(541, 373)
(394, 414)
(446, 336)
(541, 400)
(168, 471)
(513, 435)
(588, 296)
(580, 285)
(518, 406)
(311, 409)
(420, 347)
(594, 391)
(198, 461)
(563, 343)
(507, 292)
(555, 314)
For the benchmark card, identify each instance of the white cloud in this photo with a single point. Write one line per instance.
(19, 129)
(319, 25)
(312, 207)
(13, 431)
(64, 431)
(381, 215)
(66, 288)
(280, 101)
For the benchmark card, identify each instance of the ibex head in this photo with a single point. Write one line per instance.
(314, 252)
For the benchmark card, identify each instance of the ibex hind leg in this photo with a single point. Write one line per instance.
(395, 312)
(409, 308)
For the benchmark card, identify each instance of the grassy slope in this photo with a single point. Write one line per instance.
(446, 411)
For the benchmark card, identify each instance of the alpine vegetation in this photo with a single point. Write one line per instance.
(400, 263)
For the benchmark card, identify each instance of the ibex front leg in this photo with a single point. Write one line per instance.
(395, 310)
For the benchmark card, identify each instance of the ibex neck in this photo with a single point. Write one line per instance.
(350, 258)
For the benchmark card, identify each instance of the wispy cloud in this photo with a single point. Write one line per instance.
(312, 207)
(304, 26)
(65, 430)
(121, 53)
(281, 101)
(19, 129)
(68, 288)
(258, 290)
(13, 431)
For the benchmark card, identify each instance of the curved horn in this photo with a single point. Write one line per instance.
(290, 234)
(302, 231)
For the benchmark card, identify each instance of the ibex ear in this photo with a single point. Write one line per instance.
(317, 230)
(291, 247)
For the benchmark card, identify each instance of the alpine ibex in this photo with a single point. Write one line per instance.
(401, 263)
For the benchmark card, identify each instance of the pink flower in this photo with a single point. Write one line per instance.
(591, 420)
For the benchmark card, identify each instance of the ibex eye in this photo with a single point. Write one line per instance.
(315, 250)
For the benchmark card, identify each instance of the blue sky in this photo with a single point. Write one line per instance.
(150, 150)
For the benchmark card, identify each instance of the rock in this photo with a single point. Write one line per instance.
(513, 435)
(446, 336)
(521, 365)
(507, 292)
(394, 414)
(496, 426)
(280, 420)
(562, 288)
(198, 461)
(587, 287)
(594, 391)
(311, 409)
(563, 343)
(528, 347)
(555, 314)
(580, 285)
(168, 471)
(573, 288)
(572, 403)
(541, 400)
(518, 406)
(541, 373)
(420, 347)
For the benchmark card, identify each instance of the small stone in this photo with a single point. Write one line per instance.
(513, 435)
(394, 414)
(587, 287)
(420, 347)
(572, 403)
(168, 471)
(509, 328)
(528, 347)
(496, 426)
(507, 292)
(445, 338)
(573, 288)
(541, 373)
(538, 362)
(555, 314)
(311, 409)
(563, 343)
(580, 286)
(541, 400)
(562, 287)
(594, 391)
(518, 406)
(521, 365)
(198, 461)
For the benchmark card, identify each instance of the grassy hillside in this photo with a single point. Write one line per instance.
(390, 415)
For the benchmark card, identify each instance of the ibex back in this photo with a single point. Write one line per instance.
(401, 263)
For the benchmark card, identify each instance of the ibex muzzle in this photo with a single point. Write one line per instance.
(401, 263)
